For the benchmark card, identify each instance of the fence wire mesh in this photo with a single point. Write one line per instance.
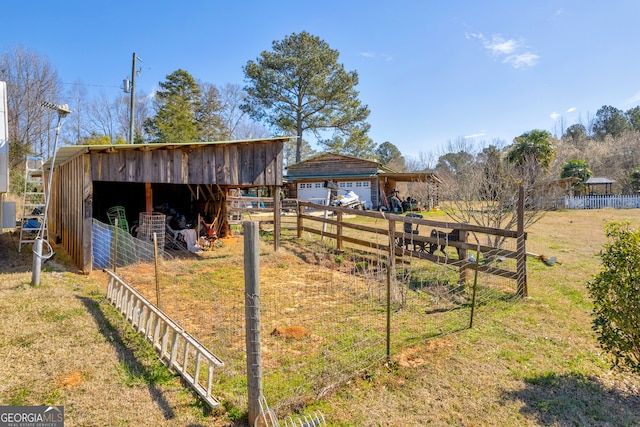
(323, 309)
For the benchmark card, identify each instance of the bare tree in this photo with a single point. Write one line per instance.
(102, 117)
(142, 111)
(486, 193)
(239, 124)
(31, 80)
(75, 131)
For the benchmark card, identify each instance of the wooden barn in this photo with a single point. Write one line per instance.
(371, 181)
(190, 178)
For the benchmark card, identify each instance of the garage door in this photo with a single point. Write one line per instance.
(315, 191)
(361, 188)
(312, 191)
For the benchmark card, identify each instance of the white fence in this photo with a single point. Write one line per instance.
(602, 201)
(177, 349)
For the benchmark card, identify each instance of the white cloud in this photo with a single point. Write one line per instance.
(571, 110)
(554, 115)
(522, 60)
(473, 36)
(513, 51)
(475, 135)
(635, 99)
(374, 55)
(500, 46)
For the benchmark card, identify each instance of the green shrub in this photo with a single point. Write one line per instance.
(615, 292)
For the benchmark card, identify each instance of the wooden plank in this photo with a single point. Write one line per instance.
(233, 165)
(219, 165)
(147, 165)
(246, 160)
(418, 221)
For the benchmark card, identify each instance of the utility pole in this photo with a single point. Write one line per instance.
(133, 91)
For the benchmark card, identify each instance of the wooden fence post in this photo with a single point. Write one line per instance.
(464, 271)
(277, 211)
(252, 316)
(339, 231)
(521, 248)
(300, 212)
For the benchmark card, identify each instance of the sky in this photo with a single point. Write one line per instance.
(431, 72)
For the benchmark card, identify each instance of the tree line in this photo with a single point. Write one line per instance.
(298, 88)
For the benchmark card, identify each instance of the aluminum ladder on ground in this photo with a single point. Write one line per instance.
(33, 203)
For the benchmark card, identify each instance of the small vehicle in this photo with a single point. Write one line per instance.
(348, 199)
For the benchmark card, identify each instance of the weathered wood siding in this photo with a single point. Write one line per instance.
(233, 164)
(332, 165)
(236, 164)
(69, 216)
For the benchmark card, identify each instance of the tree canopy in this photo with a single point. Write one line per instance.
(609, 121)
(576, 168)
(299, 86)
(178, 104)
(535, 144)
(388, 153)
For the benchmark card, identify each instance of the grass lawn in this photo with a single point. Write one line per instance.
(535, 362)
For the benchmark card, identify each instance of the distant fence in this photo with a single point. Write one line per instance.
(399, 241)
(629, 201)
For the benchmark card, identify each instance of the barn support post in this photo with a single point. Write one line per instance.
(521, 248)
(252, 316)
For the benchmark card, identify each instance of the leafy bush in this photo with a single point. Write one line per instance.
(616, 296)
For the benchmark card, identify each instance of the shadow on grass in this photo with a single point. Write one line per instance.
(12, 261)
(575, 400)
(150, 374)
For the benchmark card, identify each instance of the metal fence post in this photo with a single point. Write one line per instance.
(252, 316)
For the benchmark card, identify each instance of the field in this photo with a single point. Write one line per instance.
(533, 362)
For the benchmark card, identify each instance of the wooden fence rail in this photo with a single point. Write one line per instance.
(176, 348)
(413, 243)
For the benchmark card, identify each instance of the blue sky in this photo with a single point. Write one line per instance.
(430, 71)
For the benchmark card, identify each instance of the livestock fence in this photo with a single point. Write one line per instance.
(347, 291)
(615, 201)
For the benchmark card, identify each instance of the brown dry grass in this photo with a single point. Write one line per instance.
(535, 362)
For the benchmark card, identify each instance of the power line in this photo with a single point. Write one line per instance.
(87, 84)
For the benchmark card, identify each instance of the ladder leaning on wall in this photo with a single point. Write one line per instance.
(33, 203)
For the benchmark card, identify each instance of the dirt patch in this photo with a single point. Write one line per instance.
(70, 380)
(295, 332)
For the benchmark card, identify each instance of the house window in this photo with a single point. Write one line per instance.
(318, 185)
(349, 184)
(342, 184)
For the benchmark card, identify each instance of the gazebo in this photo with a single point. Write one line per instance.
(599, 182)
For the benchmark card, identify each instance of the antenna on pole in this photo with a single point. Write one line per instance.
(133, 90)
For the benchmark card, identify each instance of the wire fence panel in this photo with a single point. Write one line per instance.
(342, 297)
